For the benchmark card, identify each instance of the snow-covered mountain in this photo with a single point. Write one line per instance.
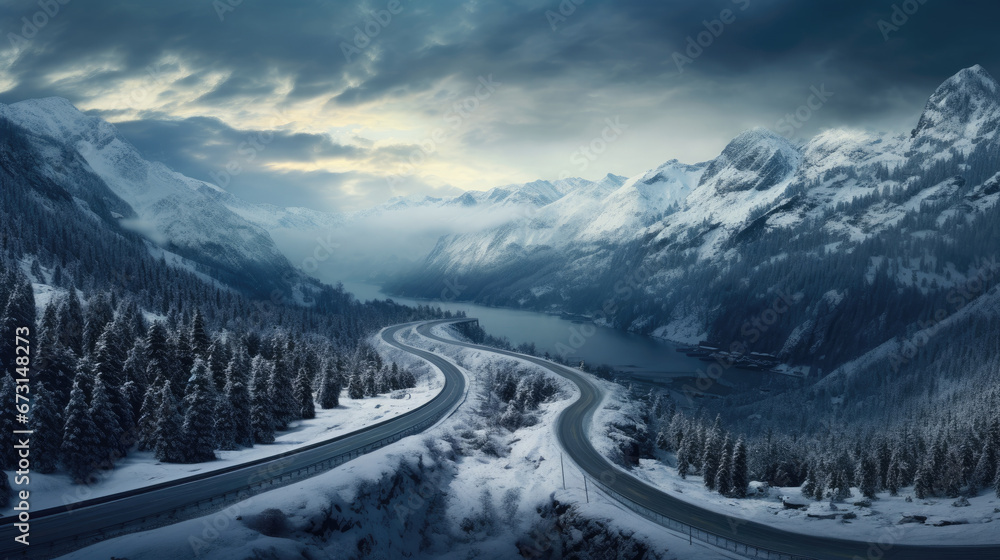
(178, 214)
(873, 230)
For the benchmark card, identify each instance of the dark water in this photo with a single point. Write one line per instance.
(643, 358)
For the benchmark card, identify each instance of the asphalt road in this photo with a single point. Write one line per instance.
(94, 520)
(571, 429)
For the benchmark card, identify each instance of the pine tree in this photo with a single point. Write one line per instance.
(109, 358)
(99, 314)
(261, 410)
(684, 458)
(6, 492)
(369, 381)
(304, 395)
(199, 407)
(356, 387)
(71, 323)
(149, 416)
(809, 485)
(893, 482)
(167, 436)
(868, 474)
(198, 336)
(329, 386)
(104, 417)
(225, 421)
(18, 312)
(711, 456)
(237, 394)
(923, 485)
(8, 456)
(47, 424)
(80, 437)
(741, 470)
(723, 477)
(996, 483)
(285, 406)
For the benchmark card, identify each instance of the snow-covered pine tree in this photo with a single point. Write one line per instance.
(996, 483)
(109, 358)
(868, 477)
(304, 395)
(923, 484)
(167, 436)
(356, 386)
(740, 469)
(8, 455)
(261, 409)
(109, 430)
(18, 311)
(47, 424)
(237, 394)
(6, 492)
(71, 323)
(198, 336)
(369, 379)
(711, 455)
(724, 475)
(281, 391)
(329, 386)
(99, 314)
(809, 484)
(149, 415)
(199, 407)
(80, 437)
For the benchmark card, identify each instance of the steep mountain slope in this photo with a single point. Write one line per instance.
(176, 212)
(874, 232)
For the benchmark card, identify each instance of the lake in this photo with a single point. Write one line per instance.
(644, 359)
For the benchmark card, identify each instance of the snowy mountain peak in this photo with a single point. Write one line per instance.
(967, 105)
(757, 159)
(57, 117)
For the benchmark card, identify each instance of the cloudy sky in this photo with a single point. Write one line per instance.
(339, 105)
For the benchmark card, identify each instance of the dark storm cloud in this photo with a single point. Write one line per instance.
(210, 150)
(574, 65)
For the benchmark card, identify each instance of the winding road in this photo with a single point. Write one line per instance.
(60, 530)
(571, 431)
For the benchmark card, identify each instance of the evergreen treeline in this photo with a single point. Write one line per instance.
(129, 351)
(174, 386)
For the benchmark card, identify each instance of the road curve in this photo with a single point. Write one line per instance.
(571, 431)
(60, 530)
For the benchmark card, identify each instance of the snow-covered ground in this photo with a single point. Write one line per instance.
(463, 489)
(877, 523)
(142, 469)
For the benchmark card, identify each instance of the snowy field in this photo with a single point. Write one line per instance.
(947, 520)
(142, 469)
(462, 490)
